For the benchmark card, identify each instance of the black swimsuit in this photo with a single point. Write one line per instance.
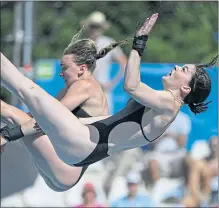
(132, 112)
(80, 113)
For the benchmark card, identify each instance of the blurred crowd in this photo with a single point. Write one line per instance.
(162, 174)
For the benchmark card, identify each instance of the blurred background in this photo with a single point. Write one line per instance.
(178, 170)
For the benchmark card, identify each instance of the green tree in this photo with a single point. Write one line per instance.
(184, 31)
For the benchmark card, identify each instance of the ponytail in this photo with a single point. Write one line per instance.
(110, 47)
(209, 64)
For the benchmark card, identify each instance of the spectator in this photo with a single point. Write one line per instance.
(203, 177)
(94, 27)
(133, 198)
(167, 158)
(89, 197)
(180, 129)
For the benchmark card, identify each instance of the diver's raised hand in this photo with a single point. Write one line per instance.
(141, 35)
(148, 25)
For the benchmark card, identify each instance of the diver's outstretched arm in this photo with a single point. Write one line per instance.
(157, 100)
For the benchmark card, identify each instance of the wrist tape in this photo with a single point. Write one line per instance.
(139, 44)
(11, 133)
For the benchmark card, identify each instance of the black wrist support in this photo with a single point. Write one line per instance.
(139, 44)
(11, 133)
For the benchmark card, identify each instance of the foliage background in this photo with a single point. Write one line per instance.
(184, 33)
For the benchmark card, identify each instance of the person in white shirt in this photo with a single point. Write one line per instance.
(94, 27)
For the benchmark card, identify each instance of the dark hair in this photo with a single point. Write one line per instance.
(85, 51)
(200, 88)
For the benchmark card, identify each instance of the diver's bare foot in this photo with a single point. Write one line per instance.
(3, 141)
(3, 144)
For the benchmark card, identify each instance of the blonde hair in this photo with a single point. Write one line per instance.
(85, 51)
